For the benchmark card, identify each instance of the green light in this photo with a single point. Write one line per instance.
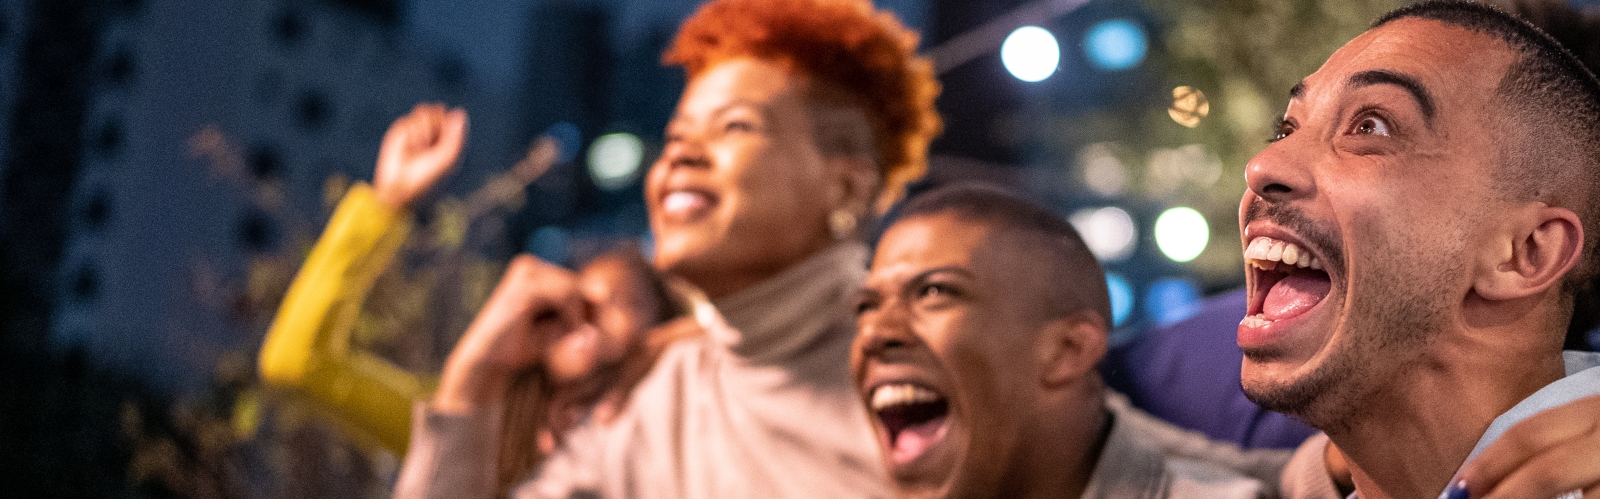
(1182, 233)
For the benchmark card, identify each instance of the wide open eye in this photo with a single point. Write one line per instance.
(1371, 124)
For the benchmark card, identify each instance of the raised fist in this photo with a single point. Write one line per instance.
(418, 150)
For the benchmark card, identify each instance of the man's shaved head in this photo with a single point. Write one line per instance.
(1550, 130)
(1066, 258)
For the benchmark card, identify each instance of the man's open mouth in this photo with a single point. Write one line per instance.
(913, 416)
(1289, 281)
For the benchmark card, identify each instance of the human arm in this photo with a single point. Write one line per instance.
(1549, 454)
(308, 346)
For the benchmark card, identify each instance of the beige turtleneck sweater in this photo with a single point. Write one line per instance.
(761, 406)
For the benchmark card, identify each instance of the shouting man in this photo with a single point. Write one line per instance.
(980, 326)
(1414, 237)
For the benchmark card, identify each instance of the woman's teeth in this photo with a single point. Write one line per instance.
(1266, 253)
(901, 394)
(682, 202)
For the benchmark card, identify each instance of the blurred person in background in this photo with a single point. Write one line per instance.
(801, 121)
(308, 347)
(981, 324)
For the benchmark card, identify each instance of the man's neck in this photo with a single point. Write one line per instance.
(1410, 436)
(1062, 455)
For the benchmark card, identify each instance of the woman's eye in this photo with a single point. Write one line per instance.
(739, 126)
(1284, 129)
(1371, 125)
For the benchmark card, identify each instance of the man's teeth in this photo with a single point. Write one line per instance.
(1258, 320)
(1266, 253)
(901, 394)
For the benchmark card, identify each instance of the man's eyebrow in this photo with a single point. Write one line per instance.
(1297, 90)
(1409, 84)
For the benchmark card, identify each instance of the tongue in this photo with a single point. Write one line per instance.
(913, 440)
(1295, 294)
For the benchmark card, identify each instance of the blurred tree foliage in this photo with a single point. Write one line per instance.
(1243, 55)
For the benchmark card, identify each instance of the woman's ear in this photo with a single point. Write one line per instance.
(857, 181)
(1071, 347)
(1542, 249)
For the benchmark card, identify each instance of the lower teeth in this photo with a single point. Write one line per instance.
(1257, 320)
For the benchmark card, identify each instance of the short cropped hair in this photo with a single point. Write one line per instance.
(1084, 283)
(1547, 90)
(843, 45)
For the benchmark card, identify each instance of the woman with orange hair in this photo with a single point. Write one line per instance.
(801, 119)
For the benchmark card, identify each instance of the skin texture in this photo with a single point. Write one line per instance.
(959, 308)
(1444, 292)
(743, 137)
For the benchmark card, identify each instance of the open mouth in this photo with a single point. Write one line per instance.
(1289, 279)
(913, 416)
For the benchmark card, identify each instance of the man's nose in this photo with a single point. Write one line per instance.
(1280, 172)
(885, 332)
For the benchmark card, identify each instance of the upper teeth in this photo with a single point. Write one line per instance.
(901, 394)
(1265, 253)
(681, 201)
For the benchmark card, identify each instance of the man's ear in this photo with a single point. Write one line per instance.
(1070, 347)
(1544, 247)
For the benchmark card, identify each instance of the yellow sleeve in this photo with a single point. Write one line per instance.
(308, 346)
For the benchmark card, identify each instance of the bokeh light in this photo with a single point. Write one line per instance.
(1115, 44)
(1121, 297)
(1103, 173)
(614, 160)
(1030, 53)
(551, 243)
(1109, 232)
(1171, 300)
(1189, 106)
(568, 137)
(1182, 233)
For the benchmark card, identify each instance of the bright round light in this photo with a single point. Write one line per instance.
(614, 160)
(1121, 298)
(1171, 300)
(1030, 53)
(1182, 233)
(1115, 44)
(1109, 232)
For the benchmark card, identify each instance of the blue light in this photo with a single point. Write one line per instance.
(568, 136)
(550, 243)
(1121, 298)
(1115, 44)
(1171, 300)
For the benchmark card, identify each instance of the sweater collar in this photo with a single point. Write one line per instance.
(779, 317)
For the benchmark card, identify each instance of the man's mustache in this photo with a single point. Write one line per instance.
(1322, 239)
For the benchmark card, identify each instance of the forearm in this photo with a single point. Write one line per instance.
(307, 347)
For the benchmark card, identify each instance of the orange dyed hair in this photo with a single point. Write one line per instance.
(840, 44)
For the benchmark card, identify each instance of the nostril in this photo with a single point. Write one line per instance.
(1276, 189)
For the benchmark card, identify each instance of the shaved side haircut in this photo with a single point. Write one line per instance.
(1550, 146)
(1069, 261)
